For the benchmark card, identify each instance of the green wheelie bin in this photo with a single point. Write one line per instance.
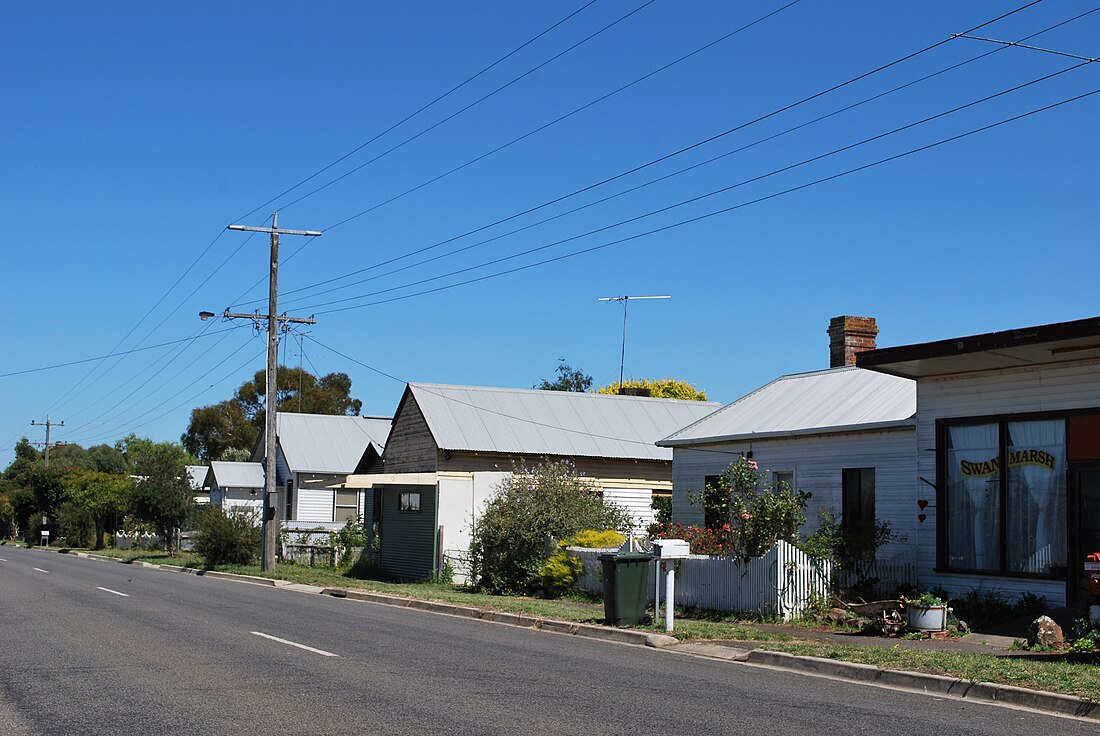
(625, 583)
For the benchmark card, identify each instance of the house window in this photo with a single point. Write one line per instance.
(346, 504)
(408, 501)
(857, 521)
(289, 499)
(779, 477)
(715, 514)
(1005, 497)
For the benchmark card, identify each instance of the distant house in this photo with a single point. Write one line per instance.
(451, 446)
(197, 475)
(316, 451)
(1007, 456)
(235, 485)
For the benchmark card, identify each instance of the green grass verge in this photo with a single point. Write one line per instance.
(1082, 680)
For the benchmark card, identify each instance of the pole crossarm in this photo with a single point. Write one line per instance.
(281, 318)
(275, 230)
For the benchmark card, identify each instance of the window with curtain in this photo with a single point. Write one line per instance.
(1036, 496)
(973, 497)
(1006, 497)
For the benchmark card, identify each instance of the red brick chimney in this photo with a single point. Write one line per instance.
(849, 336)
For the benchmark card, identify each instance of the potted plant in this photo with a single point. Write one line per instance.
(926, 612)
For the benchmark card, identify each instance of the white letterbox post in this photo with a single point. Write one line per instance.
(663, 551)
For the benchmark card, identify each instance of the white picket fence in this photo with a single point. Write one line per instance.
(780, 583)
(890, 574)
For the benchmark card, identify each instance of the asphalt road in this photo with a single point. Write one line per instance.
(180, 654)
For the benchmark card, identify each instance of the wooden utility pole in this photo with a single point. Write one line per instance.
(270, 512)
(48, 425)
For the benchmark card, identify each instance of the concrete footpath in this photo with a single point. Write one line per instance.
(734, 651)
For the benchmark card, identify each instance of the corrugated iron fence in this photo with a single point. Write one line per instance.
(780, 583)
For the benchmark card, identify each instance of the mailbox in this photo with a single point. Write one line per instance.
(670, 549)
(1092, 574)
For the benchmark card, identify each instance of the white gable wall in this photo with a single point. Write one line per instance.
(1016, 391)
(817, 462)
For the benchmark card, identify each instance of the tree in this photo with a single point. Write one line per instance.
(661, 388)
(142, 455)
(102, 496)
(236, 423)
(162, 495)
(106, 459)
(219, 428)
(532, 507)
(569, 379)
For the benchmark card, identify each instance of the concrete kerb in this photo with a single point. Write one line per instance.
(951, 687)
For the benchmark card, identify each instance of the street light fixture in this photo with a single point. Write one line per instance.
(206, 315)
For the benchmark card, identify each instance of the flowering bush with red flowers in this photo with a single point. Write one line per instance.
(746, 514)
(701, 540)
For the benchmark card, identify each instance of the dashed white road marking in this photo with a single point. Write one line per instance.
(322, 652)
(115, 592)
(41, 570)
(3, 559)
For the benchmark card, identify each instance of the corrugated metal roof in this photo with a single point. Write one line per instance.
(197, 475)
(839, 399)
(327, 443)
(235, 475)
(528, 421)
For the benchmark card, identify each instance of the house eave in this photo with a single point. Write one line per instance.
(893, 425)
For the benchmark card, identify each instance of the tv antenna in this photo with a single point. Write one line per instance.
(624, 300)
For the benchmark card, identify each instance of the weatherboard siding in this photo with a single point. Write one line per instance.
(817, 462)
(410, 447)
(590, 467)
(314, 505)
(1054, 388)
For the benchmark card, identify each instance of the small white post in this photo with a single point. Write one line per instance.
(670, 596)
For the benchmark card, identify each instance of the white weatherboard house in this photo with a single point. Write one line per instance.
(235, 485)
(846, 435)
(451, 446)
(1008, 456)
(314, 452)
(196, 474)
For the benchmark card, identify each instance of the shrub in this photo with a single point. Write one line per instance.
(531, 508)
(849, 553)
(561, 570)
(351, 534)
(984, 608)
(232, 538)
(747, 514)
(75, 525)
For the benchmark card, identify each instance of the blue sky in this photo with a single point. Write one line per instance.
(133, 133)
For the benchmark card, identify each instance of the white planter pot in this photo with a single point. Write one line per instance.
(927, 619)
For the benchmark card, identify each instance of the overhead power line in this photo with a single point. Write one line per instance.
(697, 144)
(715, 192)
(725, 210)
(419, 110)
(629, 190)
(182, 276)
(455, 114)
(39, 369)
